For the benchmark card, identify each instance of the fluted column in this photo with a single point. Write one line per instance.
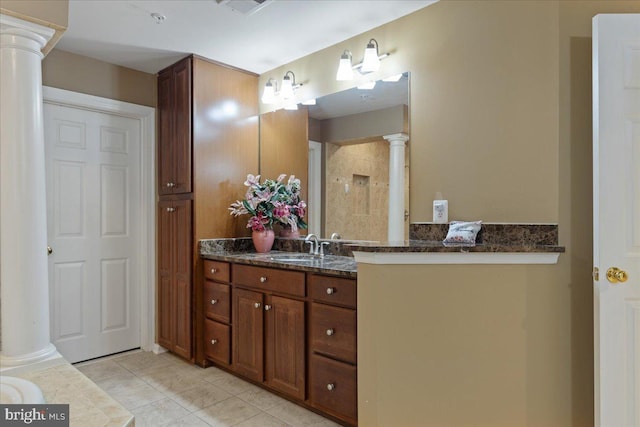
(397, 143)
(23, 218)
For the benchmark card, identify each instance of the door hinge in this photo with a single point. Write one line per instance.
(596, 274)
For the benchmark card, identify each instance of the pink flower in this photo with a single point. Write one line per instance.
(252, 180)
(281, 210)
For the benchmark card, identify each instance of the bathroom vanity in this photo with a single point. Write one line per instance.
(287, 322)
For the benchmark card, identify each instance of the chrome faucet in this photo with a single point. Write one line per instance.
(316, 247)
(312, 240)
(335, 236)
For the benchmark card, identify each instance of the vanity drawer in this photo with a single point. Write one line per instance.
(270, 279)
(217, 338)
(217, 270)
(217, 301)
(333, 290)
(333, 332)
(333, 387)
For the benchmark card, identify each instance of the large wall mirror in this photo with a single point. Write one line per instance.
(347, 165)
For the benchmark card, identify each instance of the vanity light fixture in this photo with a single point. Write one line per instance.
(269, 93)
(345, 69)
(371, 61)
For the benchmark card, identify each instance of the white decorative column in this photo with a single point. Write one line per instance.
(24, 282)
(397, 143)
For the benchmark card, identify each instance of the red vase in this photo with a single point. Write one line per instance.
(263, 240)
(289, 233)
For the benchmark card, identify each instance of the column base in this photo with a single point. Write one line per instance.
(48, 356)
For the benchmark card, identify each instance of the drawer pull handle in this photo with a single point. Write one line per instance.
(171, 209)
(267, 307)
(214, 270)
(330, 386)
(263, 279)
(214, 341)
(257, 304)
(214, 301)
(330, 291)
(330, 331)
(171, 184)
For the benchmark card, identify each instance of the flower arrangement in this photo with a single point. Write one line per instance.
(272, 202)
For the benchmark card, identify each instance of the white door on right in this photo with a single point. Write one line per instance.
(616, 198)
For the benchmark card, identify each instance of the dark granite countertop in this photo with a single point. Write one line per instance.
(438, 246)
(329, 264)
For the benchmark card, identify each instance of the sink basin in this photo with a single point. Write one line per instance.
(294, 257)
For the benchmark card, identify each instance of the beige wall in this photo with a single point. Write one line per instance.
(54, 14)
(79, 73)
(501, 125)
(376, 123)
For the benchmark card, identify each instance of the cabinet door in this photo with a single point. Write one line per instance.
(165, 132)
(181, 149)
(166, 330)
(285, 364)
(247, 333)
(174, 132)
(182, 251)
(174, 259)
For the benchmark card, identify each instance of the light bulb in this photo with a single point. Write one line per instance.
(269, 94)
(371, 62)
(345, 70)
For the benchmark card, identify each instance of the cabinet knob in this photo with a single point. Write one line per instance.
(214, 301)
(330, 331)
(214, 270)
(257, 304)
(267, 307)
(330, 386)
(330, 291)
(263, 279)
(171, 209)
(171, 184)
(214, 341)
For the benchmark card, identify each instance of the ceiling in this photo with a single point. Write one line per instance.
(123, 32)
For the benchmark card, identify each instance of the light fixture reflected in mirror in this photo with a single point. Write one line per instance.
(269, 93)
(288, 81)
(345, 69)
(287, 91)
(371, 62)
(393, 79)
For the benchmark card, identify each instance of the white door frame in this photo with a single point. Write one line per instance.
(146, 117)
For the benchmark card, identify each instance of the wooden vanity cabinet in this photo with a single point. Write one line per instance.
(292, 332)
(269, 327)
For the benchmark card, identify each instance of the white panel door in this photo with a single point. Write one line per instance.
(616, 155)
(93, 215)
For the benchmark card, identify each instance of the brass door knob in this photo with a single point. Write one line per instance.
(615, 275)
(49, 250)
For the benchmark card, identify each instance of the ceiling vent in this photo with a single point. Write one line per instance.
(246, 7)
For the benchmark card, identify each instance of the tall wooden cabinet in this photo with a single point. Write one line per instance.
(204, 154)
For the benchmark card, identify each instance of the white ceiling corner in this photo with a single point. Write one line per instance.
(123, 32)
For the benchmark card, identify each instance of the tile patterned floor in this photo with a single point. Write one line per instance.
(164, 390)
